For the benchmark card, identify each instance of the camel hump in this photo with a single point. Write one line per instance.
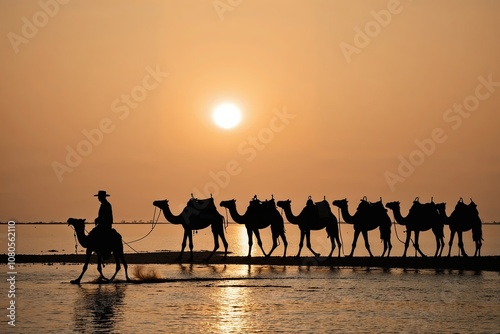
(323, 209)
(202, 204)
(363, 204)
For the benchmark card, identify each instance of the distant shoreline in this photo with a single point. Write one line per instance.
(483, 263)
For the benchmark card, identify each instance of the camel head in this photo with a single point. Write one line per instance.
(340, 203)
(77, 223)
(161, 203)
(228, 204)
(393, 205)
(284, 204)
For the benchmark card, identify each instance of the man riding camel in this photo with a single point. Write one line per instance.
(104, 221)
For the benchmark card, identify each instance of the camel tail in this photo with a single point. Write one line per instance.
(477, 234)
(385, 232)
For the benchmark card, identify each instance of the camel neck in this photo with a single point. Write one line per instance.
(344, 209)
(239, 219)
(290, 216)
(398, 217)
(80, 234)
(170, 217)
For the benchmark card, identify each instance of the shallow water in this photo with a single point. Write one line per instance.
(252, 299)
(38, 239)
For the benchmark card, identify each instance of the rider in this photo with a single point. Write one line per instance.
(104, 220)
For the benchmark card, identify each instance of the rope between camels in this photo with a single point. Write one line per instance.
(76, 241)
(397, 236)
(340, 233)
(281, 213)
(153, 225)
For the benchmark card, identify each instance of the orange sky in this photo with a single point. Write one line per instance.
(343, 99)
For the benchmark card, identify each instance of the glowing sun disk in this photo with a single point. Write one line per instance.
(226, 115)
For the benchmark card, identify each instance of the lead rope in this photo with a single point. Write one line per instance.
(76, 241)
(227, 218)
(281, 213)
(396, 230)
(154, 222)
(340, 232)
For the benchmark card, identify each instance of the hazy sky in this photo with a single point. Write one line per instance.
(343, 99)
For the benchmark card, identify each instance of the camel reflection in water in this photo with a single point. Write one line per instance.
(99, 308)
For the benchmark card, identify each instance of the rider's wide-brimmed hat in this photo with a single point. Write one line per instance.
(101, 193)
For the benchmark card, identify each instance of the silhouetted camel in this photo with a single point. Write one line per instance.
(197, 215)
(368, 217)
(462, 219)
(313, 217)
(259, 215)
(421, 217)
(93, 243)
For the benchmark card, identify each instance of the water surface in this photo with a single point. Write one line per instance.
(256, 299)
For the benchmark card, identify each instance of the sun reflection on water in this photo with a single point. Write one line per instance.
(232, 304)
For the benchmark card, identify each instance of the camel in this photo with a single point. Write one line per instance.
(92, 242)
(462, 219)
(197, 215)
(421, 217)
(314, 217)
(259, 215)
(368, 217)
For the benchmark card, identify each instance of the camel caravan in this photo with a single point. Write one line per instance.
(202, 213)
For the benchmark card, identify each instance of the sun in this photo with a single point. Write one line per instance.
(226, 115)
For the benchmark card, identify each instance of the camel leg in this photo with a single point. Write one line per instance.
(183, 245)
(285, 243)
(250, 241)
(461, 244)
(276, 236)
(85, 266)
(387, 247)
(224, 242)
(275, 245)
(301, 242)
(407, 241)
(354, 242)
(332, 240)
(416, 245)
(99, 267)
(259, 241)
(334, 234)
(478, 248)
(441, 246)
(308, 243)
(117, 267)
(452, 235)
(216, 246)
(438, 246)
(190, 237)
(367, 244)
(121, 256)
